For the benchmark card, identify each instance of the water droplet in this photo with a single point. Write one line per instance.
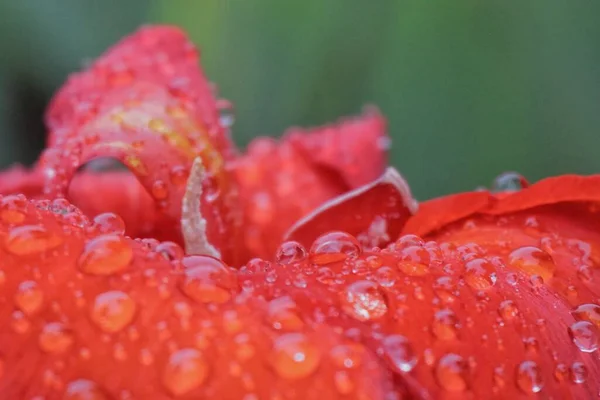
(451, 373)
(185, 371)
(499, 378)
(578, 372)
(480, 274)
(444, 325)
(55, 338)
(444, 287)
(560, 372)
(334, 247)
(508, 310)
(364, 300)
(109, 223)
(83, 389)
(585, 336)
(385, 276)
(294, 356)
(19, 322)
(343, 383)
(531, 344)
(290, 253)
(11, 209)
(283, 314)
(31, 239)
(105, 255)
(112, 311)
(29, 297)
(529, 377)
(414, 261)
(207, 280)
(170, 250)
(226, 113)
(399, 353)
(509, 182)
(348, 355)
(159, 190)
(532, 261)
(588, 312)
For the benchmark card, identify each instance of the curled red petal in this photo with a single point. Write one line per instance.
(280, 182)
(19, 179)
(147, 104)
(94, 315)
(375, 213)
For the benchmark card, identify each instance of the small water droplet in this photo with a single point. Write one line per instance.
(185, 371)
(109, 223)
(578, 372)
(105, 255)
(55, 338)
(283, 314)
(170, 250)
(508, 310)
(112, 311)
(399, 353)
(207, 280)
(343, 382)
(532, 261)
(334, 247)
(444, 287)
(31, 239)
(451, 373)
(414, 261)
(529, 377)
(585, 336)
(480, 274)
(294, 356)
(83, 389)
(19, 322)
(290, 252)
(385, 276)
(444, 325)
(348, 355)
(364, 300)
(29, 297)
(560, 372)
(509, 182)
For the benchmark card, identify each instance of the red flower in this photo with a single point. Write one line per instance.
(495, 298)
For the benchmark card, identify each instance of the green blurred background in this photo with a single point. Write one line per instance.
(471, 88)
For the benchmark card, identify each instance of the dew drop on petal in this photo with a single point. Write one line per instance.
(283, 314)
(185, 371)
(532, 261)
(294, 356)
(578, 372)
(290, 252)
(444, 325)
(480, 274)
(105, 255)
(588, 312)
(399, 353)
(364, 301)
(414, 261)
(29, 298)
(109, 223)
(83, 389)
(207, 280)
(112, 311)
(585, 336)
(170, 250)
(334, 247)
(31, 239)
(348, 356)
(529, 377)
(55, 338)
(451, 373)
(508, 310)
(509, 182)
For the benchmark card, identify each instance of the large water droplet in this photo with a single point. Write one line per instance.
(105, 255)
(585, 336)
(334, 247)
(529, 377)
(109, 223)
(207, 280)
(532, 261)
(31, 239)
(112, 311)
(451, 373)
(294, 356)
(480, 274)
(283, 314)
(509, 182)
(444, 325)
(186, 370)
(399, 353)
(290, 253)
(414, 261)
(29, 297)
(364, 300)
(55, 338)
(588, 312)
(83, 389)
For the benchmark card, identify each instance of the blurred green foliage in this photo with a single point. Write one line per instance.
(470, 88)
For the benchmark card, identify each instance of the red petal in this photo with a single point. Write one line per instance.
(18, 179)
(147, 104)
(282, 182)
(102, 316)
(374, 213)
